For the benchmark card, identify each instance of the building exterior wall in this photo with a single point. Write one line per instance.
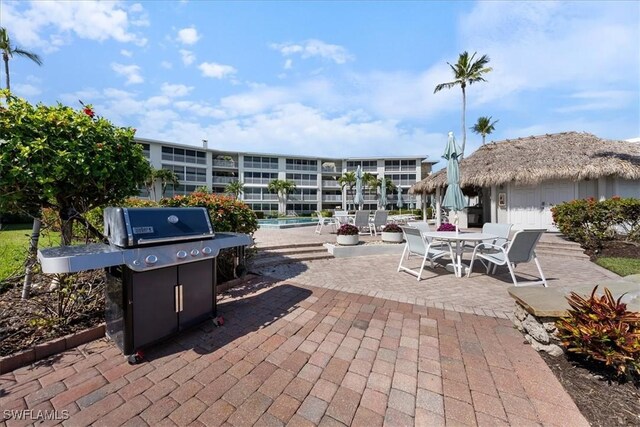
(315, 177)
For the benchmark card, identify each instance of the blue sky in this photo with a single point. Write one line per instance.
(333, 78)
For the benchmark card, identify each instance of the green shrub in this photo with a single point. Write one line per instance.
(326, 213)
(227, 214)
(590, 222)
(602, 329)
(259, 214)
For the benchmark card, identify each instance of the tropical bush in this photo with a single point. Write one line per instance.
(227, 214)
(446, 226)
(602, 329)
(392, 228)
(67, 160)
(590, 222)
(347, 230)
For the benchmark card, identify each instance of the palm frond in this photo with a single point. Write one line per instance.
(32, 56)
(448, 85)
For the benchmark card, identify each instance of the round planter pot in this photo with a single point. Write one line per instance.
(392, 237)
(348, 240)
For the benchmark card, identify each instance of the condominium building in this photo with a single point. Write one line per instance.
(316, 178)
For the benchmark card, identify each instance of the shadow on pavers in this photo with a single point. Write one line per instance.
(245, 308)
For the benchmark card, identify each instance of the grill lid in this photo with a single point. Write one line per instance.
(132, 227)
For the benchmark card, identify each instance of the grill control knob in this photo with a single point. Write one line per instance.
(206, 250)
(136, 262)
(151, 259)
(182, 254)
(195, 252)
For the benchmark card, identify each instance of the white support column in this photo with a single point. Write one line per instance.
(602, 188)
(494, 203)
(438, 207)
(423, 200)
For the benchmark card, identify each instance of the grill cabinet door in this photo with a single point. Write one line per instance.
(154, 313)
(196, 279)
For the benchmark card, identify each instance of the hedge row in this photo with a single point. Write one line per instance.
(590, 222)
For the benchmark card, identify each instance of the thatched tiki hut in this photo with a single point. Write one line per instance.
(519, 181)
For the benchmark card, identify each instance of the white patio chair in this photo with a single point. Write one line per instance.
(418, 245)
(379, 221)
(322, 221)
(520, 249)
(362, 221)
(341, 217)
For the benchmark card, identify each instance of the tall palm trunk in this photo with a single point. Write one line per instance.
(464, 127)
(5, 58)
(31, 257)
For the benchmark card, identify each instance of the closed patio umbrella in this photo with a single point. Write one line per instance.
(358, 198)
(383, 193)
(400, 202)
(453, 197)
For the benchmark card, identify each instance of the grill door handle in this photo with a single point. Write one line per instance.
(181, 298)
(177, 297)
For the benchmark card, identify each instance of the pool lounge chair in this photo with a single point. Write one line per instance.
(418, 245)
(379, 221)
(520, 249)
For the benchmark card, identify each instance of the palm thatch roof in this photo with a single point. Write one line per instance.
(528, 161)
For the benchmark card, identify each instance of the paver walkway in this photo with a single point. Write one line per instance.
(377, 276)
(301, 355)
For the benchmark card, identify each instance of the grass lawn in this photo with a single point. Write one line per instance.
(14, 243)
(620, 266)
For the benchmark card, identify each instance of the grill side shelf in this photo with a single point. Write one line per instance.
(71, 259)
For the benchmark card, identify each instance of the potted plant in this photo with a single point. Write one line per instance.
(392, 233)
(348, 235)
(447, 226)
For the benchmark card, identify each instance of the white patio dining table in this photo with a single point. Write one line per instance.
(459, 240)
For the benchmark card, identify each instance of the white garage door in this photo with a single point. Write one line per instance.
(530, 207)
(524, 207)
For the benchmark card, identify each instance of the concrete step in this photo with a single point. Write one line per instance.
(287, 258)
(561, 250)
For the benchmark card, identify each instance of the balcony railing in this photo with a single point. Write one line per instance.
(224, 179)
(258, 197)
(312, 168)
(333, 184)
(305, 182)
(330, 169)
(260, 165)
(364, 168)
(225, 164)
(248, 180)
(394, 168)
(331, 198)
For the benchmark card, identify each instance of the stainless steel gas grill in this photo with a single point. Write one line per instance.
(161, 271)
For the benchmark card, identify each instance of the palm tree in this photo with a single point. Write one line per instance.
(466, 72)
(484, 127)
(348, 181)
(369, 181)
(8, 51)
(282, 188)
(235, 189)
(165, 177)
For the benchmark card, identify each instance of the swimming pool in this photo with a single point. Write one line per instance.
(287, 222)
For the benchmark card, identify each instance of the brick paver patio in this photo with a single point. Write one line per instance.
(302, 355)
(326, 342)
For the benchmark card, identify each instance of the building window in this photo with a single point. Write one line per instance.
(302, 165)
(255, 162)
(259, 177)
(187, 173)
(146, 150)
(303, 179)
(182, 155)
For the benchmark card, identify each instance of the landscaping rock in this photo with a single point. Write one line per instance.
(535, 329)
(552, 349)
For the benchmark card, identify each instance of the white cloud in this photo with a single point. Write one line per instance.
(174, 91)
(188, 36)
(217, 71)
(131, 72)
(544, 45)
(25, 89)
(166, 65)
(86, 20)
(314, 48)
(187, 57)
(599, 100)
(126, 53)
(288, 64)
